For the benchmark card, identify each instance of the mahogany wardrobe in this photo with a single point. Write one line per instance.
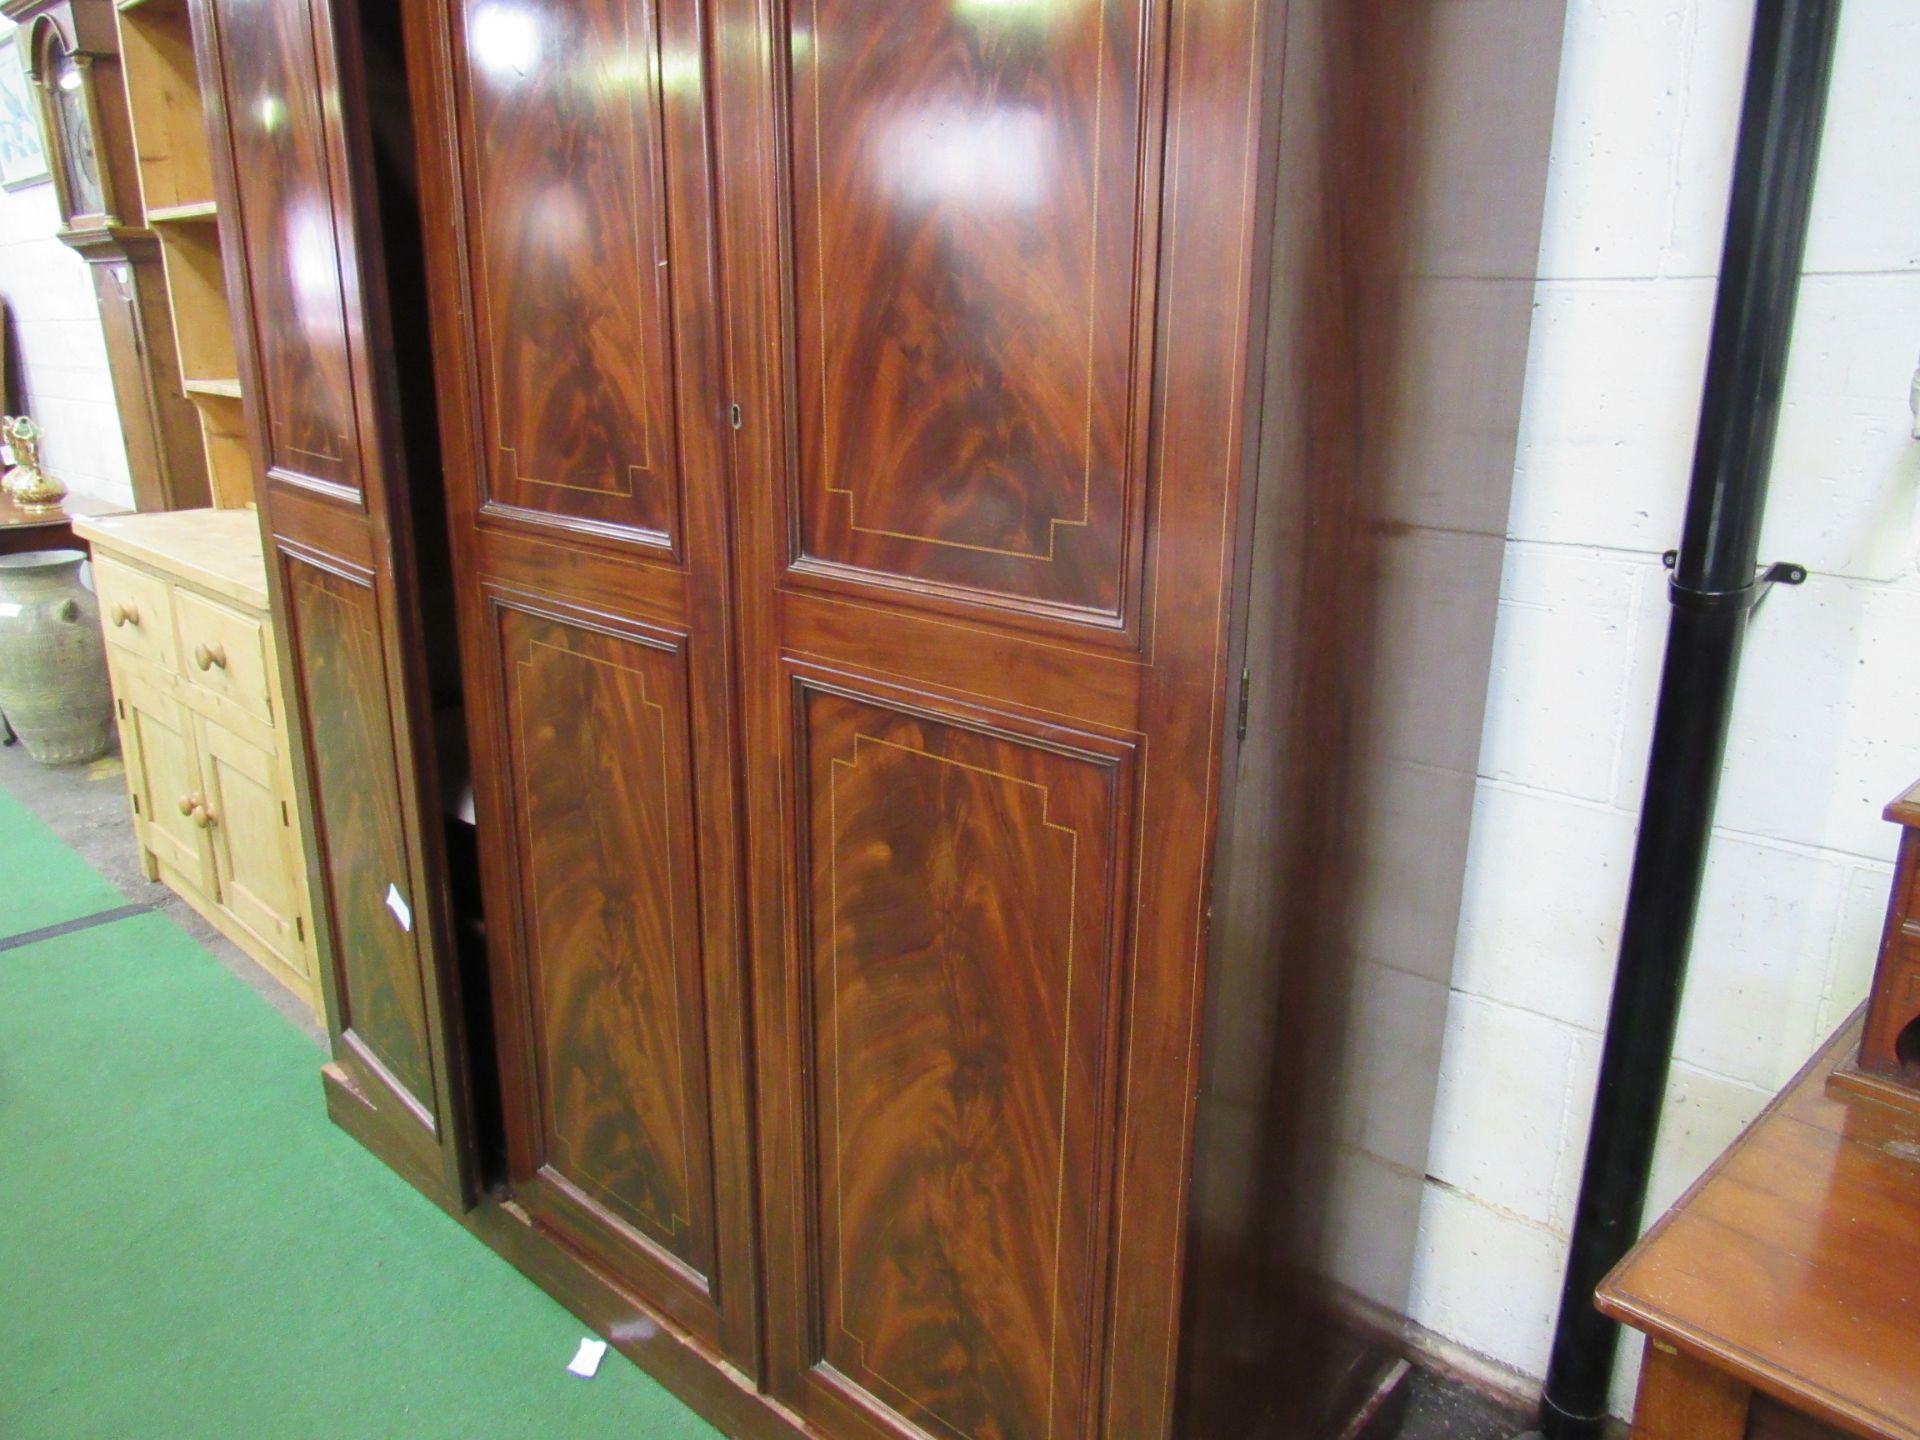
(888, 603)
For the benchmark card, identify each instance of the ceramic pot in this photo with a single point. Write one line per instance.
(53, 664)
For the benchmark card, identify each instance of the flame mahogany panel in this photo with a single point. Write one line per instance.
(354, 793)
(568, 259)
(286, 224)
(609, 944)
(968, 211)
(962, 881)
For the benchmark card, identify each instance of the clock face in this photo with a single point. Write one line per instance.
(75, 137)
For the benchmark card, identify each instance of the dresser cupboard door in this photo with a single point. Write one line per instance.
(988, 283)
(251, 831)
(565, 172)
(301, 240)
(164, 774)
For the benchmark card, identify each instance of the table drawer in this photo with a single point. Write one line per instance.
(136, 611)
(224, 653)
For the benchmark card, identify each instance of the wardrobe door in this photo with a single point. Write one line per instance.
(301, 238)
(565, 183)
(988, 287)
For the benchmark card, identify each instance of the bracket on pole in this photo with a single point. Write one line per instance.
(1747, 597)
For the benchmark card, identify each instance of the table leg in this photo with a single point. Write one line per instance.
(1684, 1399)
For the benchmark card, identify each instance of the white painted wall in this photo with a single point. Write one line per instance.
(1827, 724)
(62, 356)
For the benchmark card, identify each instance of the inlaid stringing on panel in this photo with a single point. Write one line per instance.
(603, 814)
(967, 206)
(287, 227)
(337, 653)
(568, 258)
(960, 892)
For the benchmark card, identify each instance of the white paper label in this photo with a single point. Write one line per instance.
(397, 903)
(586, 1360)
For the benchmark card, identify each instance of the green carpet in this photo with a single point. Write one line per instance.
(189, 1248)
(42, 882)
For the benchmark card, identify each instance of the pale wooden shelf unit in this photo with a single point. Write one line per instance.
(163, 94)
(176, 184)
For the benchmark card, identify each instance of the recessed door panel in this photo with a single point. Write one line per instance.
(355, 793)
(250, 829)
(286, 226)
(568, 260)
(967, 205)
(961, 885)
(165, 775)
(609, 946)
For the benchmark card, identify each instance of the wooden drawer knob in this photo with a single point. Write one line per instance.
(209, 656)
(123, 615)
(203, 817)
(187, 802)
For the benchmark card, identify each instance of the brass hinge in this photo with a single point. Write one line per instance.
(136, 804)
(1246, 698)
(286, 815)
(123, 708)
(299, 928)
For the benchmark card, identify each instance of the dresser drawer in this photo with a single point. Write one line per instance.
(136, 611)
(223, 653)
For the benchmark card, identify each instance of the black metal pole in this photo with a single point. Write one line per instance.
(1713, 592)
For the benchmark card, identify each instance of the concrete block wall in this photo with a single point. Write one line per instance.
(1827, 721)
(63, 359)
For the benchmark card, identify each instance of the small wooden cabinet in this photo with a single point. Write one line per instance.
(183, 603)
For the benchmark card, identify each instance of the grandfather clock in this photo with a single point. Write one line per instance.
(72, 53)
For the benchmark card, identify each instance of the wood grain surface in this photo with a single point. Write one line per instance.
(285, 222)
(961, 887)
(1682, 1399)
(343, 687)
(968, 212)
(561, 132)
(604, 833)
